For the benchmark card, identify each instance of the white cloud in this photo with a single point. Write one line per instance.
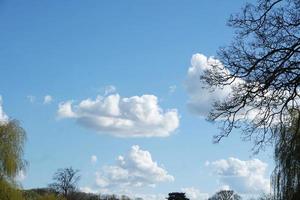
(201, 98)
(48, 99)
(136, 116)
(194, 193)
(172, 89)
(110, 89)
(136, 169)
(242, 176)
(88, 190)
(149, 196)
(94, 159)
(65, 110)
(3, 117)
(21, 176)
(31, 98)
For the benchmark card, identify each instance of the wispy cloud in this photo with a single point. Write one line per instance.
(3, 116)
(94, 159)
(48, 99)
(172, 89)
(31, 98)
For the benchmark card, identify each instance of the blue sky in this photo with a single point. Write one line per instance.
(77, 50)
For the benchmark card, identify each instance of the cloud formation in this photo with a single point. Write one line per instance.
(136, 116)
(136, 169)
(194, 193)
(21, 176)
(31, 98)
(202, 98)
(242, 176)
(47, 99)
(172, 89)
(94, 159)
(3, 117)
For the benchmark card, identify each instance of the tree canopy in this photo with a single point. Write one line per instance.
(65, 181)
(286, 176)
(177, 196)
(262, 67)
(12, 138)
(225, 195)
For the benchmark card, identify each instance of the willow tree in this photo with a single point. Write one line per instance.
(12, 138)
(286, 176)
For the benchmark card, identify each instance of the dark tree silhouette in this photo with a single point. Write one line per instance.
(262, 65)
(225, 195)
(286, 176)
(177, 196)
(65, 181)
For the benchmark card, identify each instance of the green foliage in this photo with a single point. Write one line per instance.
(9, 192)
(41, 194)
(12, 138)
(51, 197)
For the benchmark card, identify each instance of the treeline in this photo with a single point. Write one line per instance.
(50, 194)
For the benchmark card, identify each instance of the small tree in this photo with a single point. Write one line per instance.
(225, 195)
(177, 196)
(65, 181)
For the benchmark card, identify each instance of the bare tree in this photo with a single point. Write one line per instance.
(262, 68)
(65, 181)
(262, 65)
(225, 195)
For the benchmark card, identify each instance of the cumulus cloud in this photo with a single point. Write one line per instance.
(94, 159)
(110, 89)
(242, 176)
(3, 116)
(202, 98)
(136, 116)
(48, 99)
(194, 193)
(136, 169)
